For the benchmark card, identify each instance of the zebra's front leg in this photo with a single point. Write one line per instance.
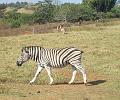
(39, 69)
(48, 69)
(73, 75)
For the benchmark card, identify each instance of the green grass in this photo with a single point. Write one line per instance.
(101, 46)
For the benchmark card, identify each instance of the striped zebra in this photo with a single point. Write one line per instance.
(51, 58)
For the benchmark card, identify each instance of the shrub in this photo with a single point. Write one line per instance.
(116, 11)
(71, 12)
(17, 19)
(44, 12)
(101, 5)
(15, 24)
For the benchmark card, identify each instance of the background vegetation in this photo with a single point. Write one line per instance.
(48, 11)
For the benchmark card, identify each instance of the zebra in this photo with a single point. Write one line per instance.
(53, 58)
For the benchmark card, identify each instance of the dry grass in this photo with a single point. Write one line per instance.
(5, 30)
(9, 9)
(25, 11)
(101, 44)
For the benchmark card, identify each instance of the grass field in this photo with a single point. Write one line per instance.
(101, 45)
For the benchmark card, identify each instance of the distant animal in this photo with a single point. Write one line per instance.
(51, 58)
(61, 29)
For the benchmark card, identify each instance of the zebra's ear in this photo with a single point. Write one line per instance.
(23, 49)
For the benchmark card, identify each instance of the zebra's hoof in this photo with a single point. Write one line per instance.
(85, 84)
(50, 83)
(70, 83)
(30, 83)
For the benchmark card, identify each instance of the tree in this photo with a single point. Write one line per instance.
(115, 12)
(17, 19)
(62, 11)
(2, 7)
(44, 12)
(101, 5)
(74, 12)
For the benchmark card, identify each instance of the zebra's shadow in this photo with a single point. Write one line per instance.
(96, 82)
(90, 83)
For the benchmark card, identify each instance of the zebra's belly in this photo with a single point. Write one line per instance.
(58, 65)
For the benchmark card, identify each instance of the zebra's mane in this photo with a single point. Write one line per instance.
(26, 48)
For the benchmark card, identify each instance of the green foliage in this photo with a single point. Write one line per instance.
(86, 12)
(116, 11)
(44, 12)
(101, 5)
(17, 19)
(2, 7)
(48, 11)
(113, 13)
(15, 24)
(62, 12)
(72, 12)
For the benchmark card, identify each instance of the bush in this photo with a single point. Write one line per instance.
(73, 12)
(44, 13)
(101, 5)
(87, 12)
(116, 11)
(49, 12)
(25, 18)
(15, 24)
(17, 19)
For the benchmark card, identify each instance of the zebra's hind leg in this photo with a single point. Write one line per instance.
(48, 69)
(73, 74)
(82, 70)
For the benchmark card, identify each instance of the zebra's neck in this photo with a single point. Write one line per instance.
(35, 53)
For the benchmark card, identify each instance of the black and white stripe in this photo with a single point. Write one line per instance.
(54, 57)
(48, 58)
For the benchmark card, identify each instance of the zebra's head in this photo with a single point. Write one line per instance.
(25, 56)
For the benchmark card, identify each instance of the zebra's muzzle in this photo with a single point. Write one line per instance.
(19, 63)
